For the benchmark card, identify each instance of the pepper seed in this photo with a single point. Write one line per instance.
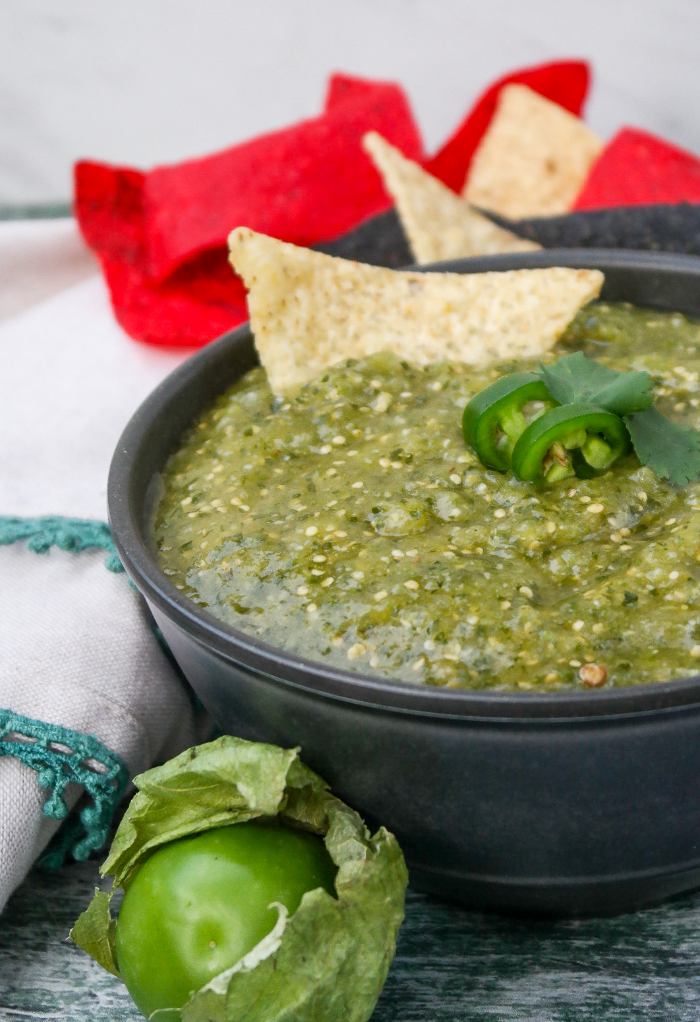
(593, 675)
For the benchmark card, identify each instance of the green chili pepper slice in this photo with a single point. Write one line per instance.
(575, 439)
(493, 420)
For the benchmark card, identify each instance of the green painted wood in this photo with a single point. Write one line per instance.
(451, 965)
(36, 211)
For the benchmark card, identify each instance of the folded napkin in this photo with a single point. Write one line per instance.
(88, 696)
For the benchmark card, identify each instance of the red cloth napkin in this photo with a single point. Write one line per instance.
(639, 169)
(161, 235)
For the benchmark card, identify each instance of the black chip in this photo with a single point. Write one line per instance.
(379, 241)
(661, 228)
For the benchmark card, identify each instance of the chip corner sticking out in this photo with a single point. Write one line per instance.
(309, 311)
(637, 168)
(438, 224)
(533, 159)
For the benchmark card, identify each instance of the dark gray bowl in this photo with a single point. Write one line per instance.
(558, 803)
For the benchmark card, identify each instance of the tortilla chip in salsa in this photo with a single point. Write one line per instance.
(309, 310)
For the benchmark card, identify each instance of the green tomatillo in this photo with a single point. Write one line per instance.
(199, 904)
(250, 892)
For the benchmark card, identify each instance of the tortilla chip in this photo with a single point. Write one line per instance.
(658, 228)
(438, 224)
(161, 235)
(534, 158)
(564, 82)
(309, 311)
(639, 169)
(304, 183)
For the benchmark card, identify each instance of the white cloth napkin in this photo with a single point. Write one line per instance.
(39, 258)
(77, 648)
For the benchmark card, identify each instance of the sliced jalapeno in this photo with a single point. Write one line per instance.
(576, 439)
(493, 420)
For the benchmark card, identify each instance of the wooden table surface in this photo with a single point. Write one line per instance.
(451, 965)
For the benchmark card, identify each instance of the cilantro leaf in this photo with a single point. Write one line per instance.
(576, 378)
(629, 393)
(671, 451)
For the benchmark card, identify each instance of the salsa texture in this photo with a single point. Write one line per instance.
(351, 524)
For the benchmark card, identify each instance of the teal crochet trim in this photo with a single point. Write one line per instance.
(59, 848)
(61, 756)
(66, 533)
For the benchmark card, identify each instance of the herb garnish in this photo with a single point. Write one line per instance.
(671, 451)
(576, 378)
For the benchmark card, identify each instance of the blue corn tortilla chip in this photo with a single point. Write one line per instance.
(380, 240)
(659, 228)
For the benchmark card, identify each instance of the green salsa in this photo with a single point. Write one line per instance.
(351, 524)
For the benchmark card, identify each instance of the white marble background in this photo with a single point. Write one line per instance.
(148, 81)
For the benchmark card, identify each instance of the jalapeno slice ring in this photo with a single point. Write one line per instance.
(493, 420)
(575, 439)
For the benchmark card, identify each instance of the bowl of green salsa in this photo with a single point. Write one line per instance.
(504, 673)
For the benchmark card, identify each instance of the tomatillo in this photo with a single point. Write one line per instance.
(575, 439)
(494, 420)
(200, 903)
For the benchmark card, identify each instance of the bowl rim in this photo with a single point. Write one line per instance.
(126, 511)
